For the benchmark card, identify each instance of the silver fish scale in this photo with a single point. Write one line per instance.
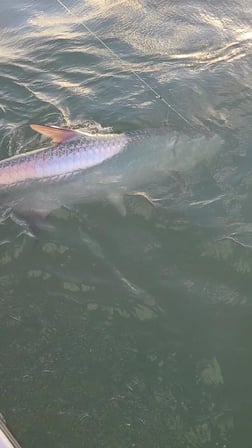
(65, 159)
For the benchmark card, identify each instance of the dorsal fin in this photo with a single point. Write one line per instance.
(58, 135)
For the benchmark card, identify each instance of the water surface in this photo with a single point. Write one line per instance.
(131, 331)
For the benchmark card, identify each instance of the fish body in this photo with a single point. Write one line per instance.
(83, 167)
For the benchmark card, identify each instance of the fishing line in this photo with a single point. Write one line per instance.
(115, 55)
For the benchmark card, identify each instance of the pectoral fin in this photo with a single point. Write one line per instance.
(58, 135)
(34, 221)
(141, 204)
(138, 201)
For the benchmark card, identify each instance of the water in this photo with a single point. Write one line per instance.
(131, 331)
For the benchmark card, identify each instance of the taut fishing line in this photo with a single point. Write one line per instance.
(129, 69)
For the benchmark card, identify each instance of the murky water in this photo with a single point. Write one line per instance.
(131, 331)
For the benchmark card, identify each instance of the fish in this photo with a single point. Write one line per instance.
(79, 167)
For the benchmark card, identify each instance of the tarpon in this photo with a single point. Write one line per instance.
(82, 167)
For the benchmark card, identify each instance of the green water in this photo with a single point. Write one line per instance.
(132, 331)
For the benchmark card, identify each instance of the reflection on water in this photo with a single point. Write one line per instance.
(131, 331)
